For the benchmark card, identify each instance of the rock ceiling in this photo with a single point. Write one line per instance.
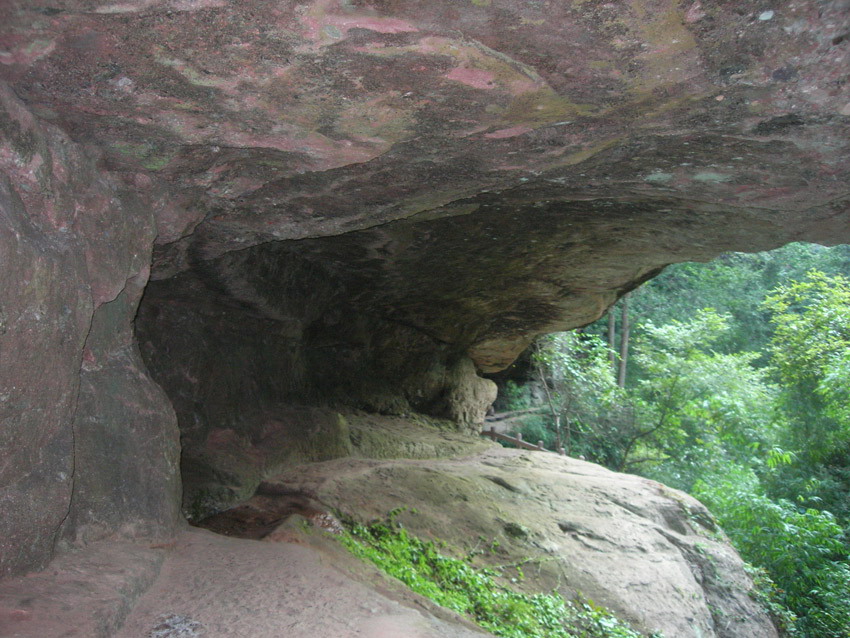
(483, 171)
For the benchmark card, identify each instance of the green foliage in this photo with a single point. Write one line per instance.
(803, 550)
(535, 425)
(735, 284)
(515, 397)
(834, 388)
(691, 409)
(810, 355)
(811, 320)
(578, 364)
(476, 592)
(733, 426)
(594, 416)
(747, 406)
(767, 594)
(699, 408)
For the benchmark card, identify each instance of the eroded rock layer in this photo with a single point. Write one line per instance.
(629, 134)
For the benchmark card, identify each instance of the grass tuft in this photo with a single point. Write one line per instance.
(474, 592)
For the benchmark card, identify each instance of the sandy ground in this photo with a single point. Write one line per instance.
(213, 586)
(222, 587)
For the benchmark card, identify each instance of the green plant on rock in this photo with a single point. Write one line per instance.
(767, 594)
(802, 550)
(475, 592)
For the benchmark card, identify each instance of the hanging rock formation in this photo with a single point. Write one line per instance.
(360, 205)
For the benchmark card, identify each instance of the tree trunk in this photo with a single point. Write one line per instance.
(624, 340)
(555, 416)
(558, 444)
(612, 340)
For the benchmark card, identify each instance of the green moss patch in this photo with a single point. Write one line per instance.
(475, 592)
(149, 155)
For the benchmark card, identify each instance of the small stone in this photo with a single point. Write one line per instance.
(766, 15)
(176, 626)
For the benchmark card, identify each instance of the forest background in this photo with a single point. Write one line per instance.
(731, 381)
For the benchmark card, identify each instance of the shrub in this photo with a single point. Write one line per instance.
(803, 550)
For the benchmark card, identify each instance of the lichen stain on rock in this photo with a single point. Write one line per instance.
(380, 121)
(670, 51)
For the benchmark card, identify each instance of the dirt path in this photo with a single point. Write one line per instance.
(219, 587)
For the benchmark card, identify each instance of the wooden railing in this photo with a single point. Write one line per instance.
(518, 441)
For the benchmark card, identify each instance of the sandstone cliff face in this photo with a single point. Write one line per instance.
(538, 158)
(89, 442)
(361, 204)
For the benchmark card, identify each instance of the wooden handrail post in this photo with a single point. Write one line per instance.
(518, 441)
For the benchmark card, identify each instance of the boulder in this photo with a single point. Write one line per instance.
(651, 554)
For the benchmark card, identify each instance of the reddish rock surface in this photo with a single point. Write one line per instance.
(359, 204)
(88, 441)
(202, 585)
(653, 130)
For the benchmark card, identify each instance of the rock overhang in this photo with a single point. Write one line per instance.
(483, 171)
(342, 204)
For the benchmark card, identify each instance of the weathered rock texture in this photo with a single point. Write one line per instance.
(84, 594)
(361, 204)
(245, 588)
(89, 442)
(650, 553)
(203, 585)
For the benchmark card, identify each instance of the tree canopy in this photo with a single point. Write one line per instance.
(730, 380)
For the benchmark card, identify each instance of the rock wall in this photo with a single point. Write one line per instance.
(89, 443)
